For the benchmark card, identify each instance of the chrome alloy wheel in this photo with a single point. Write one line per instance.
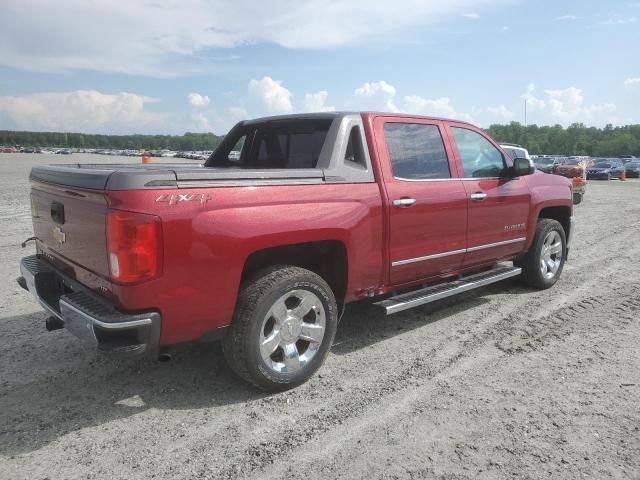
(292, 331)
(551, 255)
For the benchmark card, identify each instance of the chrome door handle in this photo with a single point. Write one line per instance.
(478, 196)
(404, 202)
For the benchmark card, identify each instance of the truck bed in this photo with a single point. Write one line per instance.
(148, 176)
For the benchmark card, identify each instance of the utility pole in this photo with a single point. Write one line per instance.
(525, 123)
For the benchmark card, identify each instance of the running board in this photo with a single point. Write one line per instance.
(416, 298)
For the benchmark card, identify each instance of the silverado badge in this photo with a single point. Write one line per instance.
(59, 236)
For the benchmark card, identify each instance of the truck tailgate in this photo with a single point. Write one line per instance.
(70, 223)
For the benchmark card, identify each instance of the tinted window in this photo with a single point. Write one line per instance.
(355, 150)
(417, 151)
(480, 159)
(283, 144)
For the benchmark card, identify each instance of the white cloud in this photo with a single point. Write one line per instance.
(200, 123)
(167, 37)
(439, 107)
(316, 102)
(197, 100)
(618, 20)
(632, 82)
(271, 97)
(533, 103)
(376, 96)
(566, 106)
(505, 28)
(381, 96)
(501, 113)
(83, 111)
(567, 17)
(472, 15)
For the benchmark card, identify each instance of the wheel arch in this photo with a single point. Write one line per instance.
(327, 258)
(562, 214)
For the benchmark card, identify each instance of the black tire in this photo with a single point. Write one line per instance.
(530, 263)
(258, 295)
(577, 198)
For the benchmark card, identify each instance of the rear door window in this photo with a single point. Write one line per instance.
(417, 151)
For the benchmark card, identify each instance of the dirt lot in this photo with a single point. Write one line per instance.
(504, 383)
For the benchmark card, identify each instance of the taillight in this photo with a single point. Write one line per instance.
(135, 246)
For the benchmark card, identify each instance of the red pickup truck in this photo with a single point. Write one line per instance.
(290, 219)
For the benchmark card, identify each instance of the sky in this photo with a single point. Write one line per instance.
(168, 67)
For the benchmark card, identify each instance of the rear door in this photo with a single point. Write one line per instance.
(498, 206)
(426, 199)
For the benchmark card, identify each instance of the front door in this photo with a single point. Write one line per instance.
(427, 202)
(498, 205)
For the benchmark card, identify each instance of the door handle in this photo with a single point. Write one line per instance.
(478, 196)
(404, 202)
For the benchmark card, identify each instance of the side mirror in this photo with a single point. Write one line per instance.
(521, 167)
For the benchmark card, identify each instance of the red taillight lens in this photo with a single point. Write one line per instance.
(135, 246)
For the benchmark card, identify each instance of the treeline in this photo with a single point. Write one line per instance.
(187, 142)
(576, 139)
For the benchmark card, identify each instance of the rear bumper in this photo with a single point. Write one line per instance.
(87, 315)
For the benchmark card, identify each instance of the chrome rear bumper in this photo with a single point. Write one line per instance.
(87, 315)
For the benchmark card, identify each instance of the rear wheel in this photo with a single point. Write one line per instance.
(542, 264)
(283, 328)
(577, 198)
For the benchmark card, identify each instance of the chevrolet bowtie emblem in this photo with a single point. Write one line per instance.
(59, 236)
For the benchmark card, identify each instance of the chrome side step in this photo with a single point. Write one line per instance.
(416, 298)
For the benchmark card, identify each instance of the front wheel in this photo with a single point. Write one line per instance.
(282, 330)
(542, 264)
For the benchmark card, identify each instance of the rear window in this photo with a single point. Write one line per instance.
(282, 144)
(417, 151)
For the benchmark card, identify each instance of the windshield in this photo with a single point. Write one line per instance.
(602, 165)
(544, 161)
(573, 161)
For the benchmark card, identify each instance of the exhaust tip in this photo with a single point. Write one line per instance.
(164, 355)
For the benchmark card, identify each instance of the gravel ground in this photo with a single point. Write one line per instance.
(505, 382)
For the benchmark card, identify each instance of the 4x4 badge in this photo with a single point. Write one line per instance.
(175, 198)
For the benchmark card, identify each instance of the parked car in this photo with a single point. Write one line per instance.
(605, 169)
(515, 151)
(264, 251)
(632, 169)
(574, 168)
(546, 164)
(628, 158)
(570, 168)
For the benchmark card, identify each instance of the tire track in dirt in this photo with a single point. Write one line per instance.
(554, 327)
(422, 368)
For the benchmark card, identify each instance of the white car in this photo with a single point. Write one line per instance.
(515, 151)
